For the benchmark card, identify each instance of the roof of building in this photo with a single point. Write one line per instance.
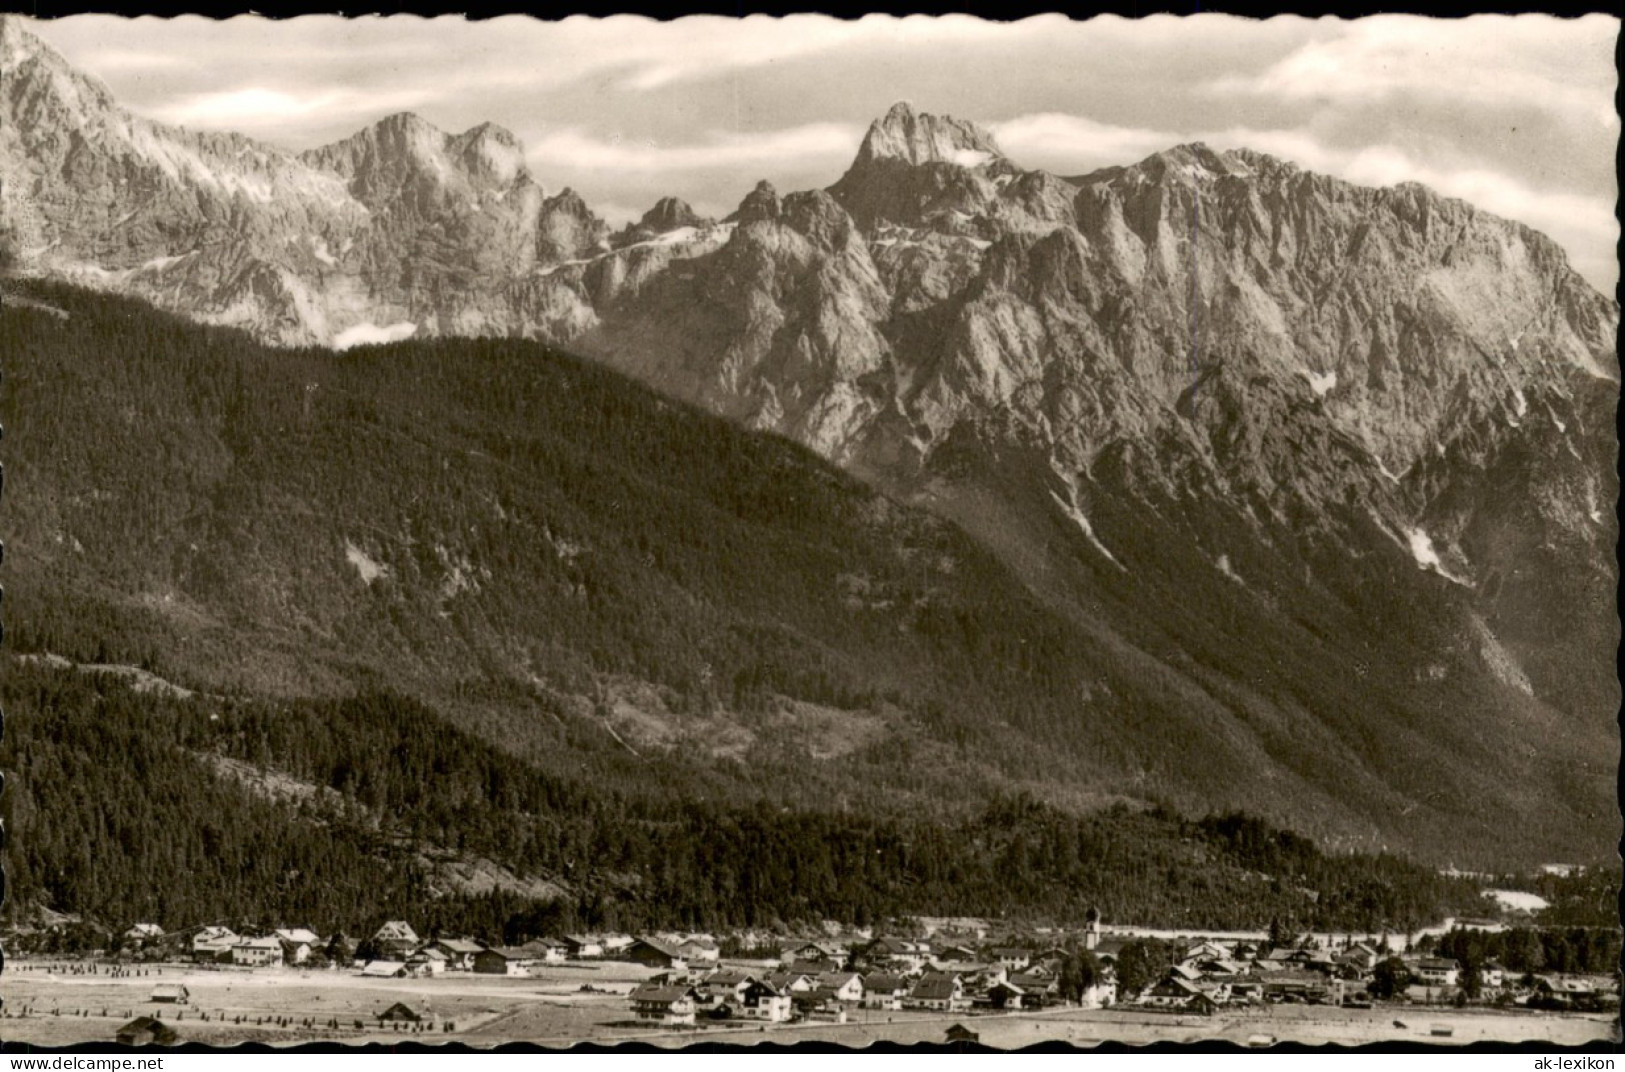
(297, 934)
(664, 995)
(384, 968)
(935, 987)
(396, 929)
(459, 945)
(882, 982)
(1438, 964)
(660, 947)
(258, 943)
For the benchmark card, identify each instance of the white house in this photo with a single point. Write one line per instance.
(297, 943)
(214, 943)
(142, 933)
(762, 1001)
(843, 986)
(257, 952)
(1438, 971)
(884, 991)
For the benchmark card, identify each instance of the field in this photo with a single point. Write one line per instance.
(51, 1004)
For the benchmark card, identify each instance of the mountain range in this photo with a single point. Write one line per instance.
(1315, 481)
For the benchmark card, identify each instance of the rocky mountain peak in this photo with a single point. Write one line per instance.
(30, 67)
(762, 203)
(670, 213)
(916, 138)
(17, 45)
(491, 153)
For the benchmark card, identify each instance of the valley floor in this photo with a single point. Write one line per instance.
(48, 1006)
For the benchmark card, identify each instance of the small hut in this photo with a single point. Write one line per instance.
(400, 1012)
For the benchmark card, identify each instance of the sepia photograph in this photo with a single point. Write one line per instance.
(768, 531)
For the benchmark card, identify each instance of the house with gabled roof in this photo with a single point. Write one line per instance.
(1013, 958)
(140, 934)
(400, 1012)
(762, 1001)
(884, 990)
(505, 960)
(213, 944)
(170, 994)
(396, 938)
(791, 982)
(699, 951)
(1172, 993)
(1037, 990)
(384, 969)
(297, 943)
(728, 985)
(947, 953)
(672, 1006)
(907, 954)
(426, 961)
(655, 954)
(938, 991)
(257, 952)
(582, 946)
(1360, 956)
(813, 951)
(459, 952)
(1437, 971)
(847, 987)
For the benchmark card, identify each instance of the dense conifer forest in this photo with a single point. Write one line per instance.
(123, 814)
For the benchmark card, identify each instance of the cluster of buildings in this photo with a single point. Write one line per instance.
(820, 980)
(832, 979)
(1211, 975)
(396, 950)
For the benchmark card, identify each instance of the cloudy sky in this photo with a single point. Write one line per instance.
(1514, 114)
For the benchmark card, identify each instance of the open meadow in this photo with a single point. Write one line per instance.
(54, 1004)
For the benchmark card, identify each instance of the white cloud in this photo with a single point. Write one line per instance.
(659, 55)
(575, 148)
(254, 108)
(1527, 61)
(1070, 144)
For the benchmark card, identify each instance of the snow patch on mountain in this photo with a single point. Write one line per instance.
(370, 334)
(1422, 549)
(1319, 382)
(368, 567)
(1077, 517)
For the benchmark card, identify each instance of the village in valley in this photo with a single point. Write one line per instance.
(953, 980)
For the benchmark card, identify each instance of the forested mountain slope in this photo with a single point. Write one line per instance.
(604, 582)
